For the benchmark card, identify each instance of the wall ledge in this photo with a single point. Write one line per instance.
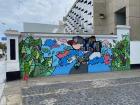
(123, 27)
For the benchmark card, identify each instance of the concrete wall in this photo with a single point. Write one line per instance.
(99, 24)
(109, 7)
(43, 54)
(134, 19)
(38, 27)
(59, 54)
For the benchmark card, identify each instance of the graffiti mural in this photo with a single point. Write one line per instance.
(41, 56)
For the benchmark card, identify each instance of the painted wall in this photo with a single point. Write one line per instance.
(51, 55)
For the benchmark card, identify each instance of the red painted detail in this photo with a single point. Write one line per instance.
(62, 55)
(107, 59)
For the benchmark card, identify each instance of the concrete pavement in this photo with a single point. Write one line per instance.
(14, 95)
(2, 78)
(124, 91)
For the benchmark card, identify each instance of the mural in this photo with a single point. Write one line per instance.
(121, 54)
(63, 56)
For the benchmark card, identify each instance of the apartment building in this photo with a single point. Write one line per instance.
(102, 16)
(80, 17)
(109, 13)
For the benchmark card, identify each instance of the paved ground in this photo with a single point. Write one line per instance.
(97, 87)
(95, 92)
(2, 77)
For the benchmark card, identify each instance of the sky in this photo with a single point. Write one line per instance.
(14, 12)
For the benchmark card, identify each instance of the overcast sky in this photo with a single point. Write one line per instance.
(14, 12)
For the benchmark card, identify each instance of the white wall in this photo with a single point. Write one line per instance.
(135, 52)
(12, 65)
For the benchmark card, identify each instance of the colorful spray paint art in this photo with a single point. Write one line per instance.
(42, 56)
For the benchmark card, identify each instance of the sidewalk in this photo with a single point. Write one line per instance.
(12, 90)
(124, 91)
(2, 77)
(2, 99)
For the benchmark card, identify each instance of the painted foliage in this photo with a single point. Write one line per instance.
(63, 56)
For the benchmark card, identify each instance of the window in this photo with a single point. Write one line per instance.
(89, 2)
(12, 49)
(120, 17)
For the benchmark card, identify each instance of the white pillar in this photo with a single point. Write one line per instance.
(122, 30)
(12, 64)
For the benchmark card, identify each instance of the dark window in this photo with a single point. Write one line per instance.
(86, 21)
(89, 13)
(12, 49)
(85, 11)
(89, 2)
(120, 17)
(85, 31)
(90, 24)
(82, 10)
(85, 2)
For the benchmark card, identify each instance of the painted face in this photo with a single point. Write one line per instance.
(77, 46)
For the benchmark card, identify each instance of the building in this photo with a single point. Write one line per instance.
(102, 16)
(109, 13)
(106, 15)
(48, 28)
(80, 17)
